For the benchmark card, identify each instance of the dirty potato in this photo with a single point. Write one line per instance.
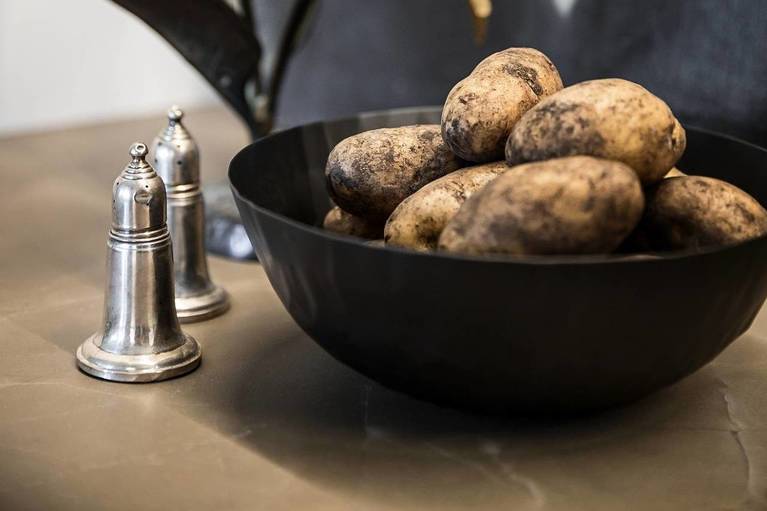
(613, 119)
(574, 205)
(418, 220)
(693, 212)
(339, 221)
(482, 108)
(370, 173)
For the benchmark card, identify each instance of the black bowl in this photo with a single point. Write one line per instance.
(507, 335)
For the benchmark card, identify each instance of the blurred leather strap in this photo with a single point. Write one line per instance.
(481, 10)
(219, 43)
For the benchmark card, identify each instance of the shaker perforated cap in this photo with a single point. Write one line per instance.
(175, 154)
(138, 195)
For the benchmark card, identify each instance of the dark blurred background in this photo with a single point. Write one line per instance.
(706, 58)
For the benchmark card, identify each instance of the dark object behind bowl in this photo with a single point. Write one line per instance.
(509, 336)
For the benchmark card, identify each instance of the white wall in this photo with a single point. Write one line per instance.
(65, 62)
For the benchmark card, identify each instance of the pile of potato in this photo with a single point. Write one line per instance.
(521, 165)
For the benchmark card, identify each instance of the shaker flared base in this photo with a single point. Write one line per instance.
(190, 309)
(106, 365)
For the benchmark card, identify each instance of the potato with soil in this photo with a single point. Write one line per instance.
(693, 212)
(370, 173)
(574, 205)
(613, 119)
(418, 220)
(482, 108)
(339, 221)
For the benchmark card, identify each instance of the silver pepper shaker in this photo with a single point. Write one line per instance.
(177, 161)
(141, 339)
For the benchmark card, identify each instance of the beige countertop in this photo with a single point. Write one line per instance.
(270, 421)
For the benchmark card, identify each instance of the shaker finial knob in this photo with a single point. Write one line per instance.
(175, 114)
(140, 339)
(138, 151)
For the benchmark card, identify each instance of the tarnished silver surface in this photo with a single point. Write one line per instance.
(177, 161)
(141, 339)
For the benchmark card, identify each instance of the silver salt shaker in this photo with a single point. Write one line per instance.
(141, 339)
(177, 161)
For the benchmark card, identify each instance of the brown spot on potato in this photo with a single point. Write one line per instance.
(527, 73)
